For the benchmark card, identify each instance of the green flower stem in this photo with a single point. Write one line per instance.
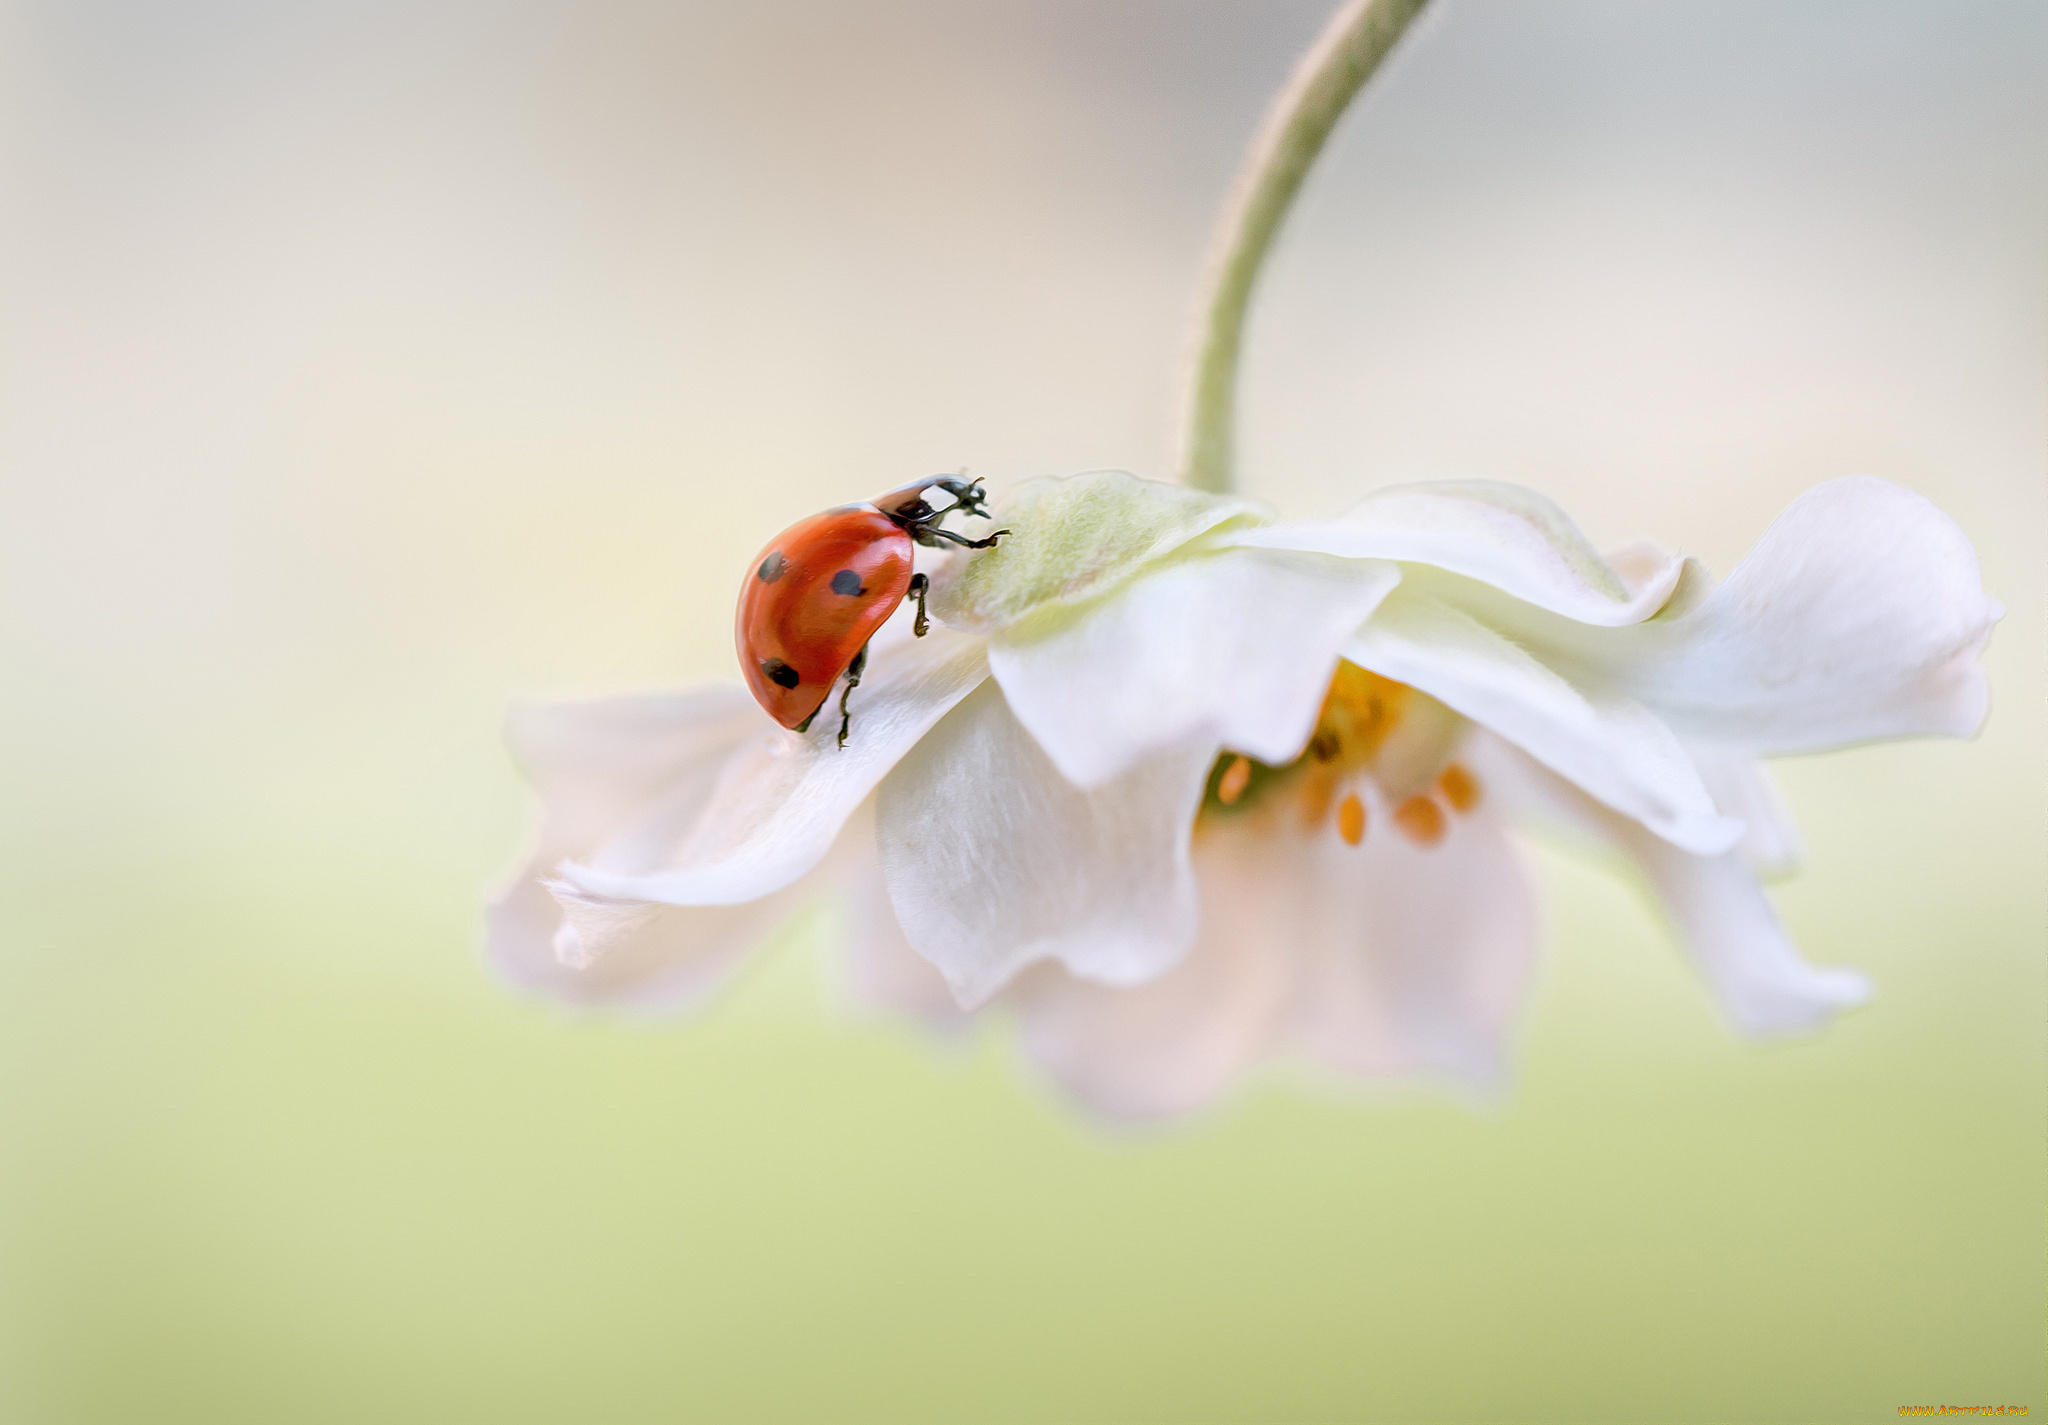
(1329, 76)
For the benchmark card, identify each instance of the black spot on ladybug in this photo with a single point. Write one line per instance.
(780, 673)
(847, 582)
(771, 567)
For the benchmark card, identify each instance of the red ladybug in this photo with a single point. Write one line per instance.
(821, 589)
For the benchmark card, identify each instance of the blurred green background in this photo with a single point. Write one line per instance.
(365, 365)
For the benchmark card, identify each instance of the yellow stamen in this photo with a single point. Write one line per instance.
(1236, 777)
(1460, 788)
(1421, 820)
(1351, 819)
(1359, 711)
(1369, 728)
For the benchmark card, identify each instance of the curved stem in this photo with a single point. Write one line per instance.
(1329, 76)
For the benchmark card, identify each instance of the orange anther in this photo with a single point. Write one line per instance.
(1460, 788)
(1421, 820)
(1316, 791)
(1351, 819)
(1236, 777)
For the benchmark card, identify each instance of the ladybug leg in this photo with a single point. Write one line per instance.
(853, 672)
(918, 585)
(933, 536)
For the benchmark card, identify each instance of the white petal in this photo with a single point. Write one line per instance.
(782, 797)
(993, 860)
(1235, 647)
(607, 770)
(1608, 745)
(1423, 956)
(603, 765)
(1742, 787)
(1503, 535)
(882, 972)
(1718, 907)
(1859, 615)
(1721, 912)
(1074, 538)
(670, 956)
(1379, 959)
(1174, 1043)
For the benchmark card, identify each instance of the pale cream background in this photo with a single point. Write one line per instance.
(366, 365)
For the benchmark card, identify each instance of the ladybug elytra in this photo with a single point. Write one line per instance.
(818, 592)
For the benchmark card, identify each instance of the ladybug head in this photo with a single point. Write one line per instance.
(911, 506)
(968, 496)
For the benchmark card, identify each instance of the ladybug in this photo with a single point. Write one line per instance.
(818, 592)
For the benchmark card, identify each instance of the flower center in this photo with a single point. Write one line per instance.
(1379, 747)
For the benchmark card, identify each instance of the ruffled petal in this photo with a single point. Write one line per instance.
(1859, 615)
(781, 797)
(994, 861)
(653, 958)
(613, 771)
(1720, 910)
(1610, 746)
(1235, 647)
(1502, 535)
(605, 766)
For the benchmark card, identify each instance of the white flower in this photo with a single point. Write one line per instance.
(1181, 786)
